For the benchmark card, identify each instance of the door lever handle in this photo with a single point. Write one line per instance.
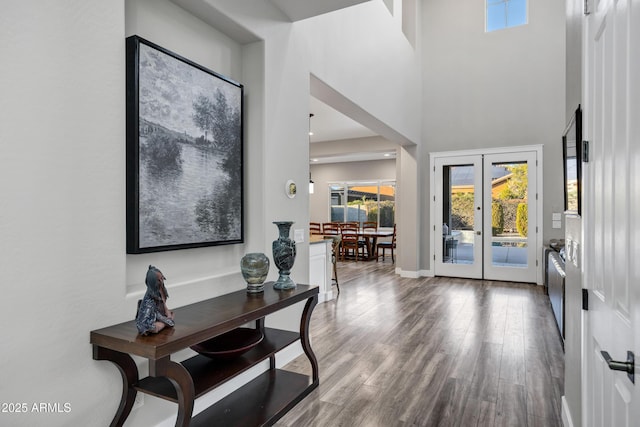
(629, 366)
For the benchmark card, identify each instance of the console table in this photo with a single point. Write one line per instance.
(262, 401)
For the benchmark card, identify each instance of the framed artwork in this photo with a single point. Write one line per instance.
(572, 163)
(184, 152)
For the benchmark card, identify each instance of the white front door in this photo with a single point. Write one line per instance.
(611, 203)
(485, 212)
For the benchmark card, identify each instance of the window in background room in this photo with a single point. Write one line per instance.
(337, 202)
(502, 14)
(365, 201)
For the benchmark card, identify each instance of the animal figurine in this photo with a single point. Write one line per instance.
(153, 313)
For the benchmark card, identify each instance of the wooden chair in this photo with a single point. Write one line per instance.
(315, 228)
(330, 228)
(370, 225)
(366, 241)
(349, 244)
(387, 245)
(335, 247)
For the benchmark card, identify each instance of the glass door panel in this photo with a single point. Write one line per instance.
(509, 225)
(387, 213)
(510, 190)
(338, 204)
(362, 202)
(459, 216)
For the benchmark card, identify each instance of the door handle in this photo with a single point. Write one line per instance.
(629, 366)
(479, 233)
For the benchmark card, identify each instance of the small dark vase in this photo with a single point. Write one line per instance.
(254, 267)
(284, 254)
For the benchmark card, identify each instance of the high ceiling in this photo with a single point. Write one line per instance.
(302, 9)
(327, 124)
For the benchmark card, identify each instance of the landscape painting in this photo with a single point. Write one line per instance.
(184, 153)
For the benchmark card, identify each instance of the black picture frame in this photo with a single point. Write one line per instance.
(184, 132)
(572, 164)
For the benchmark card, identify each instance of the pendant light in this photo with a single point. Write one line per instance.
(310, 133)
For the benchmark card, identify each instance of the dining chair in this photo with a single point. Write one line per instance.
(369, 225)
(349, 244)
(315, 228)
(366, 240)
(387, 245)
(330, 228)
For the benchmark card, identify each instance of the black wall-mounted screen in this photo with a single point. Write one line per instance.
(572, 162)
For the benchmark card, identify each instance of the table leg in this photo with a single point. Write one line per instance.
(304, 337)
(129, 372)
(182, 382)
(374, 241)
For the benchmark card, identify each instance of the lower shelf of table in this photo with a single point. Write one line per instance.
(261, 402)
(208, 374)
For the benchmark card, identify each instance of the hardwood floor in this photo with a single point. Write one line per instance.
(432, 351)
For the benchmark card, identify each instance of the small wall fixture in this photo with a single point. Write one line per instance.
(310, 184)
(290, 189)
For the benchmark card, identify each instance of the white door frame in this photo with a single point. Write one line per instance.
(499, 150)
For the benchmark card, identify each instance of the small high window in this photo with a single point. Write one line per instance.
(502, 14)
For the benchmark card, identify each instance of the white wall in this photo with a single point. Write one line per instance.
(62, 173)
(371, 63)
(62, 216)
(503, 88)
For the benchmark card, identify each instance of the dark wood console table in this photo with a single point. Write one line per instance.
(262, 401)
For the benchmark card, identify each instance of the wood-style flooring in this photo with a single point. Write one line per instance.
(431, 351)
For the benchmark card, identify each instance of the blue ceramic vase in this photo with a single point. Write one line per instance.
(284, 254)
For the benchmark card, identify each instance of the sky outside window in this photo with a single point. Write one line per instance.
(505, 13)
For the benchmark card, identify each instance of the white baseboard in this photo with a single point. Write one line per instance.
(408, 274)
(414, 274)
(566, 414)
(325, 296)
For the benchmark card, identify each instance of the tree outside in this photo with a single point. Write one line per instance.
(505, 216)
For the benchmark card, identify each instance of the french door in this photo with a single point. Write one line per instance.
(486, 216)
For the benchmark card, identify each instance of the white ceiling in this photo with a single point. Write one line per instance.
(302, 9)
(327, 124)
